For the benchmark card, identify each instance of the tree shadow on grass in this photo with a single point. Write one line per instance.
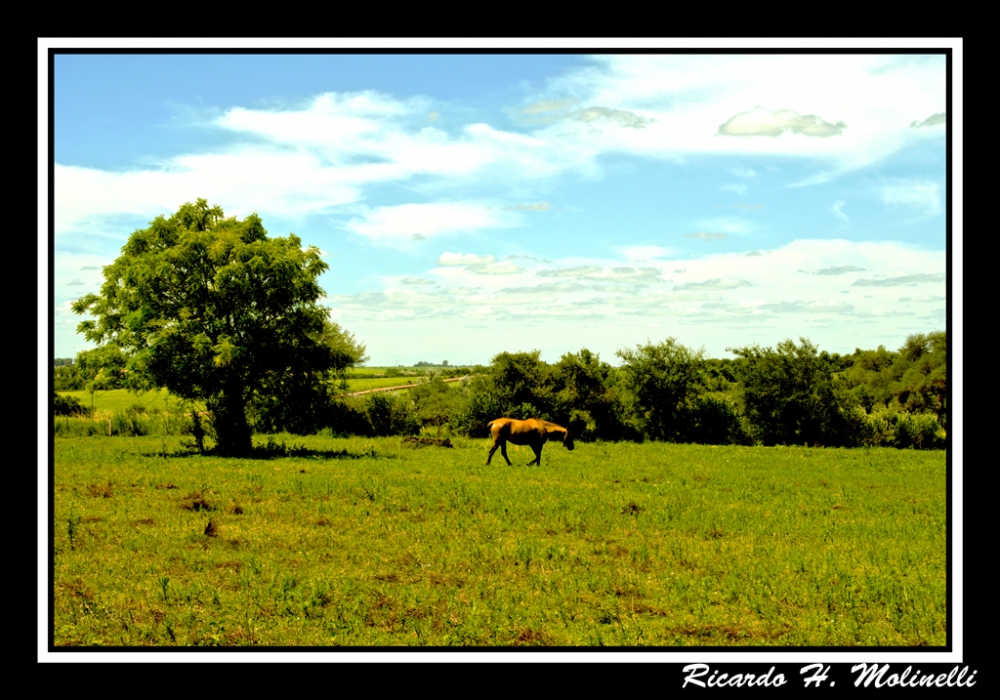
(272, 450)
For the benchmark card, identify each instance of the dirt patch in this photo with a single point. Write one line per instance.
(414, 441)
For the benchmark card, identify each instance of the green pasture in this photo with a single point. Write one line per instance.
(119, 400)
(368, 542)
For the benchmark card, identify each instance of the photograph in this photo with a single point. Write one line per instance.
(575, 350)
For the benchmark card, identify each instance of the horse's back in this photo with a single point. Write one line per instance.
(516, 431)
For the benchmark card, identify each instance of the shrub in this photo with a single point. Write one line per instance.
(68, 406)
(390, 415)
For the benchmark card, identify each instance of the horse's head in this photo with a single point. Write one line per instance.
(568, 441)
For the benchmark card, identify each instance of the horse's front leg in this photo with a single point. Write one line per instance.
(538, 455)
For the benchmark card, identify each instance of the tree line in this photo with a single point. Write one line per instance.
(217, 311)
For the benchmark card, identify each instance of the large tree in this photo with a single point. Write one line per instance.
(215, 310)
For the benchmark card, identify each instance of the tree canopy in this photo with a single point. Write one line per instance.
(215, 310)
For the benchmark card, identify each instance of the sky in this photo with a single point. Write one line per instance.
(470, 204)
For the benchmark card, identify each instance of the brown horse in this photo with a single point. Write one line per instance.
(532, 432)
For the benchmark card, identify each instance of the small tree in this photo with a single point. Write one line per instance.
(214, 310)
(790, 397)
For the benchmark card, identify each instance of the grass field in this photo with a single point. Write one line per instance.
(116, 400)
(366, 542)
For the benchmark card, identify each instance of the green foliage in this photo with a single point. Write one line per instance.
(516, 385)
(588, 399)
(68, 406)
(215, 310)
(390, 415)
(481, 403)
(789, 395)
(713, 421)
(665, 380)
(887, 428)
(922, 383)
(435, 403)
(913, 380)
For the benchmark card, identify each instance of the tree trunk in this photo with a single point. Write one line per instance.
(232, 432)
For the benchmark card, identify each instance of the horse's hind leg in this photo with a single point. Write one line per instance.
(502, 444)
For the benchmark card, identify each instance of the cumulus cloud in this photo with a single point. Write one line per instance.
(808, 307)
(838, 270)
(535, 206)
(494, 268)
(547, 288)
(415, 280)
(543, 106)
(74, 282)
(933, 120)
(720, 284)
(577, 271)
(620, 117)
(738, 188)
(923, 298)
(464, 259)
(604, 274)
(899, 281)
(705, 236)
(764, 122)
(743, 172)
(551, 111)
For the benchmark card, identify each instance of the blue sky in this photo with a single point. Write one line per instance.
(472, 204)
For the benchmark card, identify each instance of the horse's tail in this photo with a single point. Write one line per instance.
(489, 426)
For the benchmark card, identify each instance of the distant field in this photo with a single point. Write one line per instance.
(366, 384)
(365, 542)
(116, 400)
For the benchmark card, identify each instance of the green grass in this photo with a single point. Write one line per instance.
(366, 542)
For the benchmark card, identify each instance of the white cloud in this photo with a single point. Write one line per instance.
(837, 210)
(715, 284)
(921, 195)
(464, 259)
(738, 188)
(534, 206)
(849, 110)
(764, 122)
(933, 120)
(494, 268)
(401, 222)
